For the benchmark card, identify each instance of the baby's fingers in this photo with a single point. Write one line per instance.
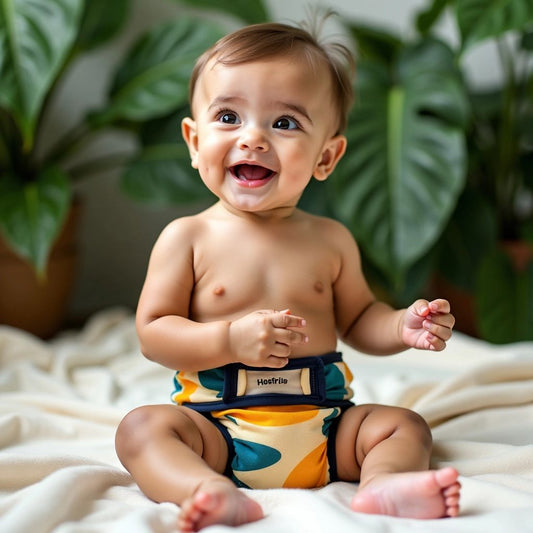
(283, 319)
(439, 331)
(290, 337)
(439, 306)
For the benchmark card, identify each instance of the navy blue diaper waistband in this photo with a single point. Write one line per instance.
(318, 380)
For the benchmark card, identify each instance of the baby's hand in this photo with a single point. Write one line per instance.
(427, 325)
(263, 338)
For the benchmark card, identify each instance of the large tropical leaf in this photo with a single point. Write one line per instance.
(161, 173)
(250, 11)
(153, 79)
(429, 15)
(374, 43)
(32, 214)
(35, 38)
(482, 19)
(101, 21)
(405, 163)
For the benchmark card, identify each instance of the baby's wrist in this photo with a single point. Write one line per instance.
(227, 349)
(400, 327)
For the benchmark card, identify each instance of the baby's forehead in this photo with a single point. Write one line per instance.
(291, 65)
(279, 73)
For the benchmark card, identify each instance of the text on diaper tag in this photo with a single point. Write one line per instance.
(262, 382)
(294, 381)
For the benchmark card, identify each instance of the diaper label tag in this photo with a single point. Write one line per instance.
(253, 382)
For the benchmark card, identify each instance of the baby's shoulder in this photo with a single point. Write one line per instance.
(330, 229)
(184, 229)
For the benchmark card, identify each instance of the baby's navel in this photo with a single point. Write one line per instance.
(219, 290)
(319, 287)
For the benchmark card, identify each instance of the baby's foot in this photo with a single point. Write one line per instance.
(217, 502)
(428, 494)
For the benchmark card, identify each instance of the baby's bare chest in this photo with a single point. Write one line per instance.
(234, 275)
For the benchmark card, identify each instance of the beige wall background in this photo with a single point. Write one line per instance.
(117, 234)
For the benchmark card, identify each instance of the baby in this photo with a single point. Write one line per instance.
(247, 299)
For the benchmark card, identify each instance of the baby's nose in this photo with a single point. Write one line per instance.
(253, 138)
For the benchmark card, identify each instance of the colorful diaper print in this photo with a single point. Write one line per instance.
(279, 446)
(279, 424)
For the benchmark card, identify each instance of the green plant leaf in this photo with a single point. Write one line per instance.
(374, 43)
(32, 214)
(471, 231)
(406, 161)
(154, 77)
(505, 300)
(162, 175)
(101, 21)
(250, 11)
(35, 38)
(484, 19)
(427, 18)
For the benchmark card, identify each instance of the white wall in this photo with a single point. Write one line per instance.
(116, 233)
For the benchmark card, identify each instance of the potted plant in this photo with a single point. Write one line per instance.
(487, 247)
(40, 40)
(439, 172)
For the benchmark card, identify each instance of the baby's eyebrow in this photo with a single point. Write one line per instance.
(297, 109)
(224, 100)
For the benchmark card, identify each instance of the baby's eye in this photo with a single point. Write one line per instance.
(286, 123)
(228, 117)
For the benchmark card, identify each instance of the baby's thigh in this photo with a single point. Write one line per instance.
(364, 426)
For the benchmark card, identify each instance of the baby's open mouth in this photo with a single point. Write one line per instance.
(246, 172)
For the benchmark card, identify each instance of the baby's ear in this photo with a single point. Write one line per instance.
(188, 130)
(333, 150)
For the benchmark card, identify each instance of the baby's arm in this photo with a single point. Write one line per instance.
(376, 328)
(168, 336)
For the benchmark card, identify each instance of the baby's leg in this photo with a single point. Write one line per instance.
(388, 449)
(177, 455)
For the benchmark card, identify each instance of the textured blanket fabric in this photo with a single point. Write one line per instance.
(60, 403)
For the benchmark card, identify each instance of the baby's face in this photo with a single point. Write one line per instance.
(261, 131)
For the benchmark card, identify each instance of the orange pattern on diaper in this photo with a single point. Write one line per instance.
(188, 388)
(311, 471)
(272, 416)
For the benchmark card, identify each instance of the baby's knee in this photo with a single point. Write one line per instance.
(150, 424)
(133, 431)
(416, 425)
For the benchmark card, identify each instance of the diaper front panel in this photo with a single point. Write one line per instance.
(279, 446)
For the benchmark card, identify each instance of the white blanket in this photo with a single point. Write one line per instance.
(60, 403)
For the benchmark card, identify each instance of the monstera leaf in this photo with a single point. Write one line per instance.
(35, 38)
(153, 79)
(405, 163)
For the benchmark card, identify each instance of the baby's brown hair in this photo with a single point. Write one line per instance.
(264, 41)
